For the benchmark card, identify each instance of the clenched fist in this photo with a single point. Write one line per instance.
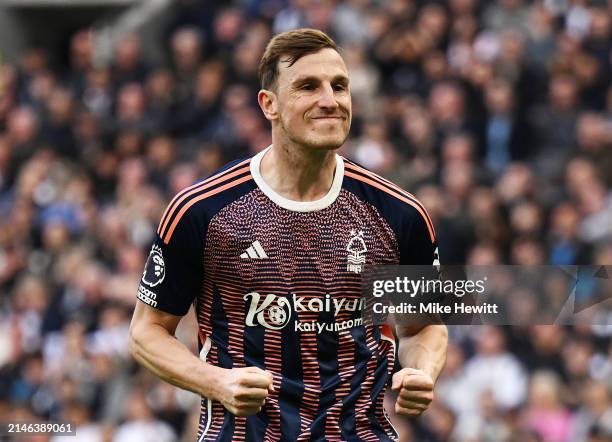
(243, 391)
(415, 389)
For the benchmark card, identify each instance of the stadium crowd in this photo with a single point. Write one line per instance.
(496, 114)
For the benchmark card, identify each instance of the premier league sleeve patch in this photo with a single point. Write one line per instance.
(173, 273)
(155, 268)
(153, 275)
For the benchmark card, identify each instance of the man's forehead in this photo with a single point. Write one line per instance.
(326, 63)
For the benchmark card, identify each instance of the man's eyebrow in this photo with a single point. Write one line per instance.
(310, 78)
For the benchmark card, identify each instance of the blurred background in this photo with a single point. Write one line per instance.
(496, 114)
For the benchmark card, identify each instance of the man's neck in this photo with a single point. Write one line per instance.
(298, 173)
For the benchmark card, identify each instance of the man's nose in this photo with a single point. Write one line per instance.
(327, 98)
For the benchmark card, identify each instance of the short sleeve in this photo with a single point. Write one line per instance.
(174, 270)
(418, 245)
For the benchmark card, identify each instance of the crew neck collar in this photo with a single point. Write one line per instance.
(298, 206)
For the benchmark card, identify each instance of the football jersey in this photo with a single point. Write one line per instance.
(277, 284)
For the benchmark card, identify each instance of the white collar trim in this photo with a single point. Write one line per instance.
(298, 206)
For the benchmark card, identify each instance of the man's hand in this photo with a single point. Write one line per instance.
(243, 391)
(415, 389)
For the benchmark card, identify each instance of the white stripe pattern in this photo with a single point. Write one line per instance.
(203, 354)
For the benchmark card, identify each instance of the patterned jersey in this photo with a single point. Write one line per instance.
(277, 284)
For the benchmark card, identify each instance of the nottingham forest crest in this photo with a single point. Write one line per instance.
(357, 250)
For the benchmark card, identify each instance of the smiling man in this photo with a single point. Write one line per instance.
(271, 250)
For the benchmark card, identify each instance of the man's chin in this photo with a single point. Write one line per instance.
(326, 143)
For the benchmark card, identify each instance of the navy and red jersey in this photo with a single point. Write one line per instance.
(277, 284)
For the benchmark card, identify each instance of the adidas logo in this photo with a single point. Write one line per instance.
(256, 251)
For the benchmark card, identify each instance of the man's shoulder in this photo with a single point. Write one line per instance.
(372, 186)
(404, 213)
(228, 167)
(200, 201)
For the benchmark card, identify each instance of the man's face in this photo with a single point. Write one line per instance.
(314, 101)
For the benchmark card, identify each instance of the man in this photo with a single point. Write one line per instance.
(270, 250)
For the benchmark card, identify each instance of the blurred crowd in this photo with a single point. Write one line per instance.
(496, 114)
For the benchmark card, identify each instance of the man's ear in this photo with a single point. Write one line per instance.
(268, 104)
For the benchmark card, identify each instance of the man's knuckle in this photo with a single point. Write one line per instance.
(245, 403)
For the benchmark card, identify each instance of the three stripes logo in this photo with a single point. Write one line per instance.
(256, 251)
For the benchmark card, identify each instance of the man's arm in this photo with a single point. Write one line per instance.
(422, 354)
(423, 348)
(152, 343)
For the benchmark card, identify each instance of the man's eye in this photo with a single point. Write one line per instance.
(340, 87)
(307, 87)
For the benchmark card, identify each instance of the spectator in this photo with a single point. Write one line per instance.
(128, 65)
(493, 369)
(545, 414)
(140, 423)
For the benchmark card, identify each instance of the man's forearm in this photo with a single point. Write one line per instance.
(424, 350)
(172, 361)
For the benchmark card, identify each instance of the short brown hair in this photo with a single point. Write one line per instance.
(294, 45)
